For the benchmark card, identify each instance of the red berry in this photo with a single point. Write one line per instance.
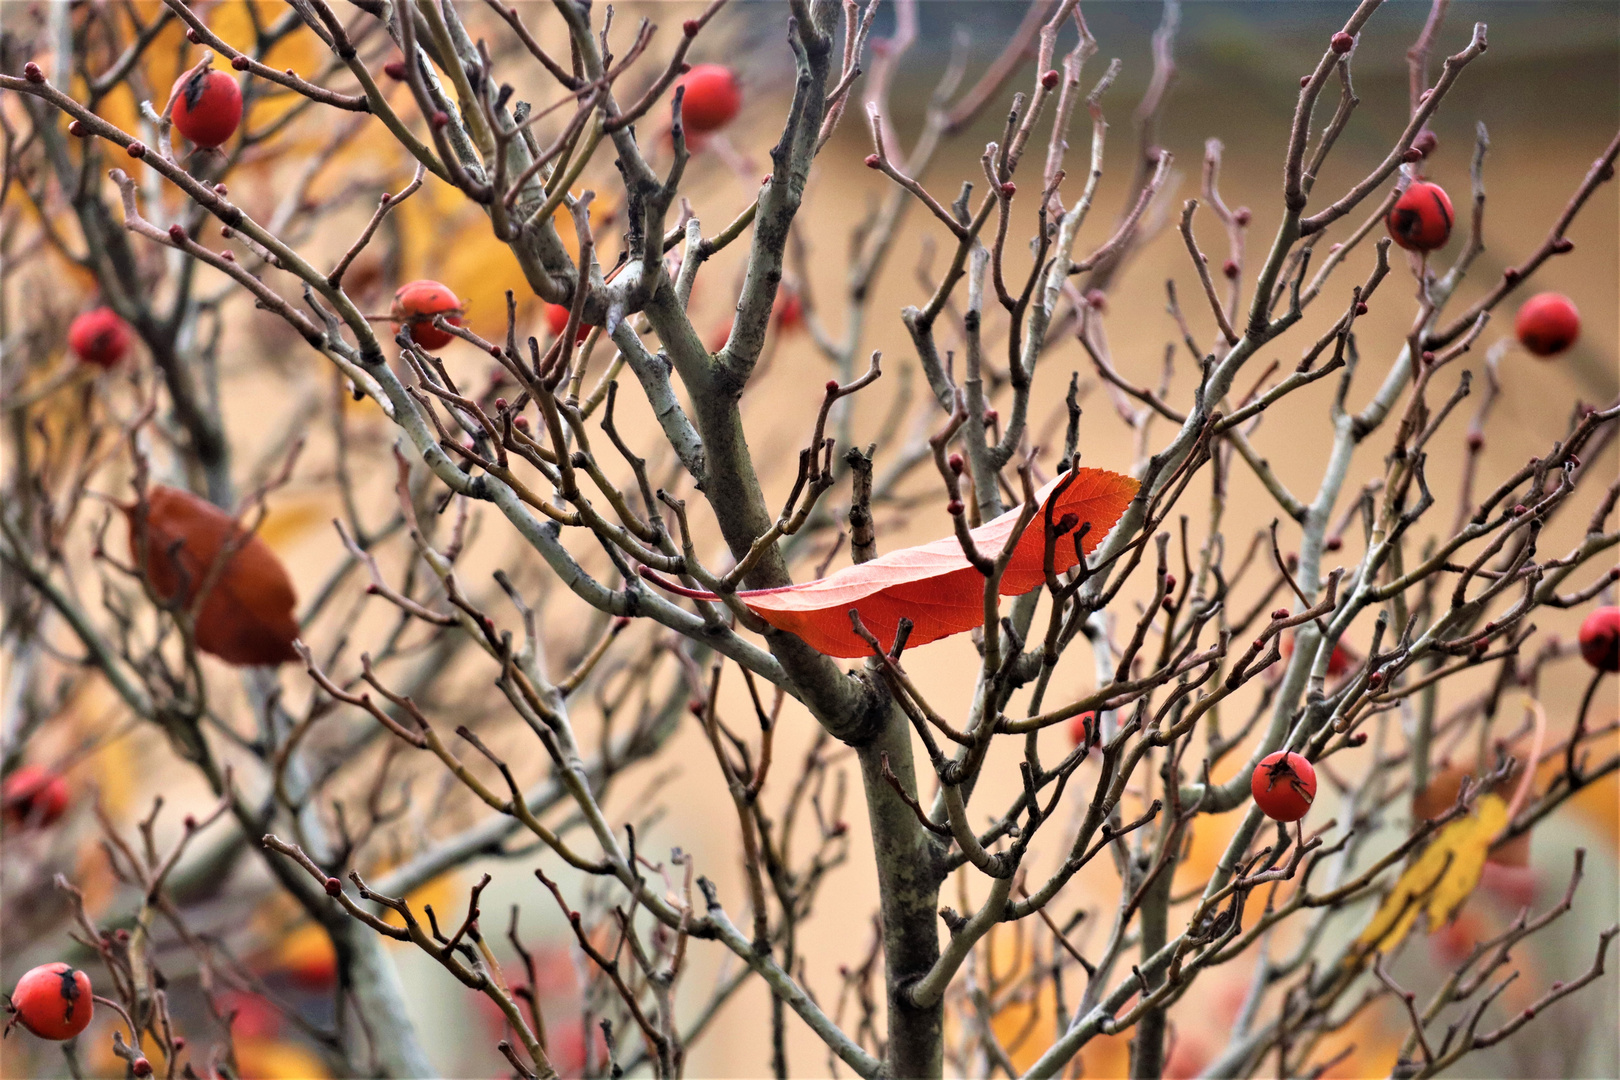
(873, 161)
(1514, 886)
(417, 303)
(1454, 941)
(1600, 639)
(250, 1016)
(1284, 785)
(53, 1001)
(557, 320)
(208, 108)
(713, 97)
(1338, 661)
(1342, 42)
(33, 795)
(788, 310)
(1548, 323)
(141, 1067)
(1421, 218)
(1050, 79)
(99, 337)
(1080, 726)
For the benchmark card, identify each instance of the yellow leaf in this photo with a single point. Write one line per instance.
(604, 214)
(292, 518)
(1440, 879)
(277, 1059)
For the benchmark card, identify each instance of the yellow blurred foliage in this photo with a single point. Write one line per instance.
(448, 898)
(604, 213)
(1599, 802)
(277, 1059)
(1210, 836)
(448, 240)
(1027, 1027)
(1440, 879)
(116, 769)
(306, 954)
(290, 518)
(300, 50)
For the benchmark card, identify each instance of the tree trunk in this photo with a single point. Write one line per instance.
(908, 882)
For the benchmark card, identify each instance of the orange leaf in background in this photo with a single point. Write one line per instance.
(247, 616)
(933, 584)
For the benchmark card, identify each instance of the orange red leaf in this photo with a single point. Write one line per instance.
(247, 615)
(933, 584)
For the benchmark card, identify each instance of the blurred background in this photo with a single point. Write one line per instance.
(1546, 91)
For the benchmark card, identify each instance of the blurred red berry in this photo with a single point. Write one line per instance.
(1081, 726)
(255, 1018)
(788, 311)
(35, 795)
(1339, 661)
(713, 97)
(1514, 887)
(1453, 942)
(1548, 323)
(557, 321)
(99, 337)
(1600, 639)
